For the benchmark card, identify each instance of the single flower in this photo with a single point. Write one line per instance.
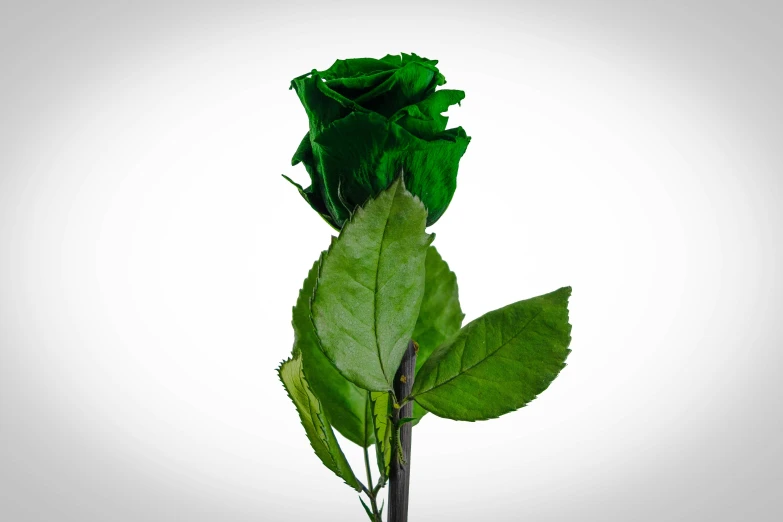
(370, 120)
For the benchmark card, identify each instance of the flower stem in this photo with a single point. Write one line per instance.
(400, 470)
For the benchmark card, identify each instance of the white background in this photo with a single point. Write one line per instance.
(151, 253)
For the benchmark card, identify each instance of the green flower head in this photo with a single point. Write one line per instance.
(369, 121)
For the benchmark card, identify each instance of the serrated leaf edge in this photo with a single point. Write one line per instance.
(324, 254)
(381, 438)
(567, 349)
(323, 423)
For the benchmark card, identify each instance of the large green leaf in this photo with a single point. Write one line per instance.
(317, 427)
(499, 362)
(381, 408)
(370, 287)
(440, 316)
(344, 403)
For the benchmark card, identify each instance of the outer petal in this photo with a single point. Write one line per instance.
(304, 155)
(323, 106)
(314, 193)
(424, 119)
(359, 156)
(431, 170)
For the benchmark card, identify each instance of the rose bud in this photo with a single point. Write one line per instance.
(369, 121)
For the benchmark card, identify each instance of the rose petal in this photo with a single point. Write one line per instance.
(431, 170)
(408, 85)
(424, 119)
(357, 157)
(352, 67)
(401, 59)
(321, 108)
(361, 155)
(352, 87)
(314, 193)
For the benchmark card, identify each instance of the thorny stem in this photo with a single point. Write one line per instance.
(400, 471)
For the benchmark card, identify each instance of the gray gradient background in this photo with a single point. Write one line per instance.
(151, 254)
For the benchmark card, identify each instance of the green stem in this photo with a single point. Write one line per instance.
(367, 467)
(374, 506)
(371, 494)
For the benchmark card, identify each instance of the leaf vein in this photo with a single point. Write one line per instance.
(463, 371)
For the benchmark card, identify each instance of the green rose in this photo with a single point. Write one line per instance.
(370, 120)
